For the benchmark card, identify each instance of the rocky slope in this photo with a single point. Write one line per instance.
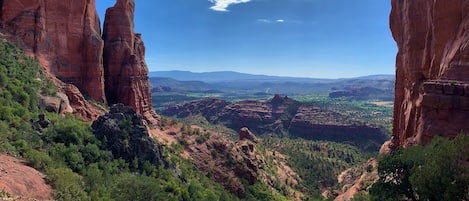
(357, 179)
(235, 164)
(21, 182)
(281, 115)
(66, 39)
(432, 76)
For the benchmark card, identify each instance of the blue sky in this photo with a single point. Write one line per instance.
(302, 38)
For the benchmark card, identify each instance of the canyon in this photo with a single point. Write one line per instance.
(66, 38)
(432, 76)
(283, 116)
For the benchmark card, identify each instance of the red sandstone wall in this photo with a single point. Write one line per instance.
(65, 35)
(432, 69)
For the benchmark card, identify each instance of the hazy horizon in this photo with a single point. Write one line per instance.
(256, 74)
(295, 38)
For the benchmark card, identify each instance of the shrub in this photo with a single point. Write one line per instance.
(67, 185)
(38, 159)
(434, 172)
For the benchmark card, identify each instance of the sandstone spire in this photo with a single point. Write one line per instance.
(66, 38)
(126, 73)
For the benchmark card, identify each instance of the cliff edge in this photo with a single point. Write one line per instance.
(432, 69)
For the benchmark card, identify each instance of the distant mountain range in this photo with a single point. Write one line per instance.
(223, 76)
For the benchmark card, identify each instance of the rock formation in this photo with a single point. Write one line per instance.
(244, 133)
(352, 183)
(281, 115)
(126, 73)
(225, 161)
(123, 133)
(432, 69)
(65, 37)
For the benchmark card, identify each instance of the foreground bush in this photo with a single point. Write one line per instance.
(438, 171)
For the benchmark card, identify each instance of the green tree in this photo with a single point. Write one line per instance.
(438, 171)
(444, 174)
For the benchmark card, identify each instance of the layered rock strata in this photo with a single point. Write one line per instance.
(432, 69)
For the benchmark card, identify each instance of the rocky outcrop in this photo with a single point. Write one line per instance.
(208, 107)
(281, 115)
(316, 124)
(123, 133)
(244, 133)
(249, 161)
(64, 35)
(432, 69)
(360, 93)
(352, 184)
(79, 104)
(225, 161)
(126, 72)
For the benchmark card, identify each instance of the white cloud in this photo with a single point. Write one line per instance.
(267, 21)
(264, 21)
(221, 5)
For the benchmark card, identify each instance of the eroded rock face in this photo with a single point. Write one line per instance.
(79, 104)
(432, 69)
(64, 35)
(126, 72)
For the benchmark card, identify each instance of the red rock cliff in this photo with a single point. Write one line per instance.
(432, 69)
(126, 72)
(64, 35)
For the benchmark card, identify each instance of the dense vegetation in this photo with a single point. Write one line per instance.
(438, 171)
(317, 163)
(366, 110)
(76, 165)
